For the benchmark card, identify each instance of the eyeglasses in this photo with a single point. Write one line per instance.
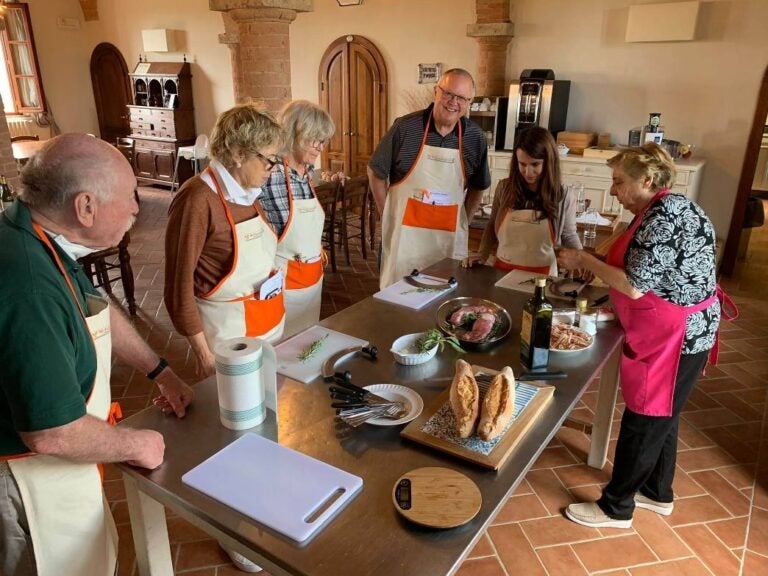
(268, 162)
(448, 96)
(318, 144)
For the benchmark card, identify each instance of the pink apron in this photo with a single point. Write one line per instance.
(654, 332)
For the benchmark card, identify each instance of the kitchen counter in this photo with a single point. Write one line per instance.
(368, 536)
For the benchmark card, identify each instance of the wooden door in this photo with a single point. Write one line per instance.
(353, 89)
(111, 91)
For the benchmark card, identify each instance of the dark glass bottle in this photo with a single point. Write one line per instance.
(536, 329)
(6, 194)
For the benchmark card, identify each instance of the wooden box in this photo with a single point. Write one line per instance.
(577, 141)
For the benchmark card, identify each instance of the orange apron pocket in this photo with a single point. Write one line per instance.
(263, 315)
(431, 216)
(303, 274)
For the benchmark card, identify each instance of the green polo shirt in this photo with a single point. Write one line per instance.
(47, 358)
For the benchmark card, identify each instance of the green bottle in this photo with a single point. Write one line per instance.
(536, 329)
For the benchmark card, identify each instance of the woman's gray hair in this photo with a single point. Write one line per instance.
(52, 180)
(303, 120)
(647, 161)
(242, 131)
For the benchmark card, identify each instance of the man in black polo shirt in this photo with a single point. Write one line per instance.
(427, 175)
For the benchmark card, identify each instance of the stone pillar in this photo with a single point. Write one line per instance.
(90, 9)
(493, 31)
(257, 33)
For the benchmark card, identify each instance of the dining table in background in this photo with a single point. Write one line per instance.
(23, 150)
(368, 536)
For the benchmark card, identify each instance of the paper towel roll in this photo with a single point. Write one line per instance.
(240, 381)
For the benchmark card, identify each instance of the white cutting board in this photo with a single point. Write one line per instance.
(512, 281)
(404, 294)
(288, 352)
(274, 485)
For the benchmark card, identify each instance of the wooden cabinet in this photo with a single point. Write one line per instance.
(161, 119)
(596, 176)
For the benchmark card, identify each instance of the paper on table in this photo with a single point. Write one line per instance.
(520, 281)
(601, 220)
(404, 294)
(288, 352)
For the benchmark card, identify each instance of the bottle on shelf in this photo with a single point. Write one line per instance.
(6, 192)
(536, 329)
(653, 131)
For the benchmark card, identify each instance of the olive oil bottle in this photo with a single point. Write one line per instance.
(536, 329)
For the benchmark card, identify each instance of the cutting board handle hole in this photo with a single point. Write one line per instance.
(324, 505)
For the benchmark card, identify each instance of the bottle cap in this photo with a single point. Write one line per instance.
(581, 303)
(541, 282)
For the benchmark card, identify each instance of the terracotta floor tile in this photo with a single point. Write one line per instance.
(685, 567)
(514, 550)
(758, 532)
(736, 449)
(692, 437)
(740, 475)
(556, 530)
(202, 554)
(703, 419)
(553, 457)
(720, 385)
(576, 442)
(548, 487)
(723, 492)
(561, 561)
(481, 567)
(710, 550)
(612, 553)
(697, 509)
(523, 488)
(760, 496)
(733, 532)
(684, 486)
(519, 508)
(581, 475)
(754, 564)
(203, 572)
(179, 530)
(735, 402)
(703, 459)
(658, 535)
(482, 548)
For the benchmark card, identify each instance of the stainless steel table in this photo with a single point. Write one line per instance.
(368, 537)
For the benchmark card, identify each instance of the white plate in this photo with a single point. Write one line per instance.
(413, 402)
(580, 331)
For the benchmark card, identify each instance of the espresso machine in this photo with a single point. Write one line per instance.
(537, 99)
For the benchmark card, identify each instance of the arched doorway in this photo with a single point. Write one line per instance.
(353, 89)
(111, 91)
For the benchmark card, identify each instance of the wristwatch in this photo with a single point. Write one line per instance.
(162, 365)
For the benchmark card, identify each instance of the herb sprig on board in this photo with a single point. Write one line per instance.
(312, 349)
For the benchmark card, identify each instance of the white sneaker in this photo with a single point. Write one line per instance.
(663, 508)
(242, 563)
(590, 514)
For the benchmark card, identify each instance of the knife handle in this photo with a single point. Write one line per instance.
(345, 376)
(338, 391)
(601, 300)
(559, 375)
(371, 350)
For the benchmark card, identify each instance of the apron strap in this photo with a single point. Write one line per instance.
(728, 311)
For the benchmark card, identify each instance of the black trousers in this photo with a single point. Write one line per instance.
(646, 450)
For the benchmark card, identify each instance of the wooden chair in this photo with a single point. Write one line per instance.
(328, 196)
(355, 218)
(98, 267)
(25, 138)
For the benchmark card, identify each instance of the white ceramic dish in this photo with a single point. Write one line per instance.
(581, 333)
(404, 350)
(487, 210)
(413, 403)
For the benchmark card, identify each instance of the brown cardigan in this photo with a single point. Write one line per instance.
(198, 250)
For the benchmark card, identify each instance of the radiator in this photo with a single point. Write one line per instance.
(20, 126)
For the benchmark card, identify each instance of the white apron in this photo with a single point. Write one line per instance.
(232, 309)
(299, 256)
(72, 529)
(526, 243)
(414, 233)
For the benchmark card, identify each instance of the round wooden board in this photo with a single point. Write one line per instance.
(439, 497)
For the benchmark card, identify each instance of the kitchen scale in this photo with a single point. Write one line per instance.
(436, 497)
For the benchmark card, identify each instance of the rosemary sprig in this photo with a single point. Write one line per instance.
(312, 349)
(419, 290)
(433, 337)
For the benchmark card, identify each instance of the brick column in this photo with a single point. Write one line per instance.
(257, 33)
(8, 166)
(493, 31)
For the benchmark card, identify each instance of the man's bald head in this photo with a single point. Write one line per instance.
(69, 164)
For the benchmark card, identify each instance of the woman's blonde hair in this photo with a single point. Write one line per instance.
(242, 131)
(303, 120)
(647, 161)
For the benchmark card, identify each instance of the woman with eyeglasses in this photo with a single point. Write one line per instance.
(291, 206)
(219, 247)
(532, 212)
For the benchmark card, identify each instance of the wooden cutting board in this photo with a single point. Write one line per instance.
(436, 497)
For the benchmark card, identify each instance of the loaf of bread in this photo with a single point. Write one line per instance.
(465, 399)
(498, 405)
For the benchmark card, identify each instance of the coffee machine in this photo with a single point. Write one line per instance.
(537, 99)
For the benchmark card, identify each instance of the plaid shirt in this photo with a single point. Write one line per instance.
(274, 198)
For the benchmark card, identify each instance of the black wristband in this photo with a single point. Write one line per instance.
(162, 365)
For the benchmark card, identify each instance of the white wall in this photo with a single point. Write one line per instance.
(706, 90)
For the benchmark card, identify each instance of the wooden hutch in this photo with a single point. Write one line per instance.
(162, 119)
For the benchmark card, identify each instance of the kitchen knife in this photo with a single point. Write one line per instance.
(601, 300)
(527, 376)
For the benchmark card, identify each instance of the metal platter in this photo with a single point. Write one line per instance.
(500, 331)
